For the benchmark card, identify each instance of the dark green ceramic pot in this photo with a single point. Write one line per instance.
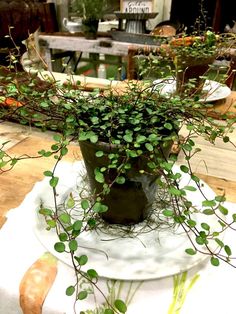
(90, 28)
(190, 69)
(128, 203)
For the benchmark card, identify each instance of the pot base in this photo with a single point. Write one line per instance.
(130, 202)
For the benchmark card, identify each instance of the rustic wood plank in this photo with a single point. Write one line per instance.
(104, 45)
(224, 106)
(15, 184)
(213, 161)
(217, 160)
(221, 186)
(2, 221)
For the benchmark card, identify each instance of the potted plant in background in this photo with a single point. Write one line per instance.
(129, 136)
(192, 56)
(91, 12)
(188, 60)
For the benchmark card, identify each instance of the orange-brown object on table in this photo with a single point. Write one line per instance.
(36, 283)
(185, 41)
(164, 30)
(11, 102)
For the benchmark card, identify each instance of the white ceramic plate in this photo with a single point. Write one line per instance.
(151, 255)
(212, 90)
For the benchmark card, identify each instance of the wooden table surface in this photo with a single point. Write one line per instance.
(15, 184)
(224, 106)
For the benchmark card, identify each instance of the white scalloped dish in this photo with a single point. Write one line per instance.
(212, 90)
(148, 255)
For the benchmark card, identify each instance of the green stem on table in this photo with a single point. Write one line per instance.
(180, 292)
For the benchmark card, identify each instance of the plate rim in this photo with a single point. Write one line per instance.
(210, 98)
(186, 262)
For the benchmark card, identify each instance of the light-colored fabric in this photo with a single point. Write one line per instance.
(203, 289)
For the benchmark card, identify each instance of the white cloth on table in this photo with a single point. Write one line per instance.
(213, 292)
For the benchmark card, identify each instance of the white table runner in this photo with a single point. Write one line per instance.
(203, 289)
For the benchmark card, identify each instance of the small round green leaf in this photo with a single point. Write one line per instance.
(191, 251)
(200, 240)
(174, 191)
(82, 295)
(190, 188)
(223, 210)
(92, 273)
(99, 177)
(131, 153)
(85, 204)
(99, 208)
(57, 137)
(191, 223)
(168, 212)
(99, 153)
(141, 139)
(77, 225)
(70, 202)
(187, 147)
(108, 311)
(219, 242)
(128, 138)
(120, 180)
(184, 168)
(82, 260)
(53, 182)
(228, 250)
(210, 203)
(70, 291)
(152, 137)
(63, 236)
(93, 138)
(47, 154)
(59, 247)
(51, 223)
(65, 218)
(205, 226)
(48, 173)
(73, 245)
(151, 165)
(195, 178)
(64, 151)
(215, 261)
(220, 198)
(168, 126)
(149, 147)
(120, 305)
(45, 211)
(208, 211)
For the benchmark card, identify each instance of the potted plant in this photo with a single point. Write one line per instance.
(190, 58)
(128, 135)
(91, 12)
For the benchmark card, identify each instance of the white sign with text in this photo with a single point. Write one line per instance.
(144, 6)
